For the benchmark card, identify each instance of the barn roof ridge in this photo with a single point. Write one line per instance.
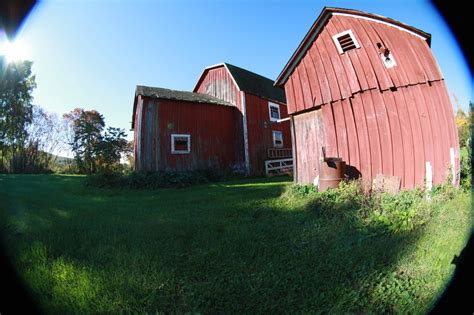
(170, 94)
(323, 17)
(250, 82)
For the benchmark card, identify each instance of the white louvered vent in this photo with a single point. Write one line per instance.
(345, 41)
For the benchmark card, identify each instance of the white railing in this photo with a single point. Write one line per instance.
(277, 167)
(282, 153)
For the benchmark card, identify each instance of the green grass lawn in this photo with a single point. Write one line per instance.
(230, 247)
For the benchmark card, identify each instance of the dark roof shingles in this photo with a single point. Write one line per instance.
(256, 84)
(169, 94)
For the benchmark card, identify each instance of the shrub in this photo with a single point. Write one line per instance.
(395, 213)
(466, 166)
(104, 180)
(154, 180)
(302, 190)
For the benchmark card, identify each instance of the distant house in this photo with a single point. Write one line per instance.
(368, 89)
(231, 120)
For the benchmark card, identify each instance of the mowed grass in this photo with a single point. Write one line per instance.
(231, 247)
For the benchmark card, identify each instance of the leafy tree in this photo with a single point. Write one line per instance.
(95, 150)
(129, 155)
(16, 86)
(87, 129)
(463, 124)
(110, 149)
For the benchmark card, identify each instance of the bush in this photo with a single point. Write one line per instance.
(69, 168)
(104, 180)
(154, 180)
(302, 190)
(466, 166)
(396, 213)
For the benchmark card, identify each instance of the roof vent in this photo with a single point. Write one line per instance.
(345, 41)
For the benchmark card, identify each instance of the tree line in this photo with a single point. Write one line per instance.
(32, 138)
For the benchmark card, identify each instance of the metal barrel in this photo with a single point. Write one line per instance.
(331, 172)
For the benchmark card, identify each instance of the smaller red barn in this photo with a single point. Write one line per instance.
(234, 119)
(265, 124)
(177, 130)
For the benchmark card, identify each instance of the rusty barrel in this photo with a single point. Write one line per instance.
(331, 172)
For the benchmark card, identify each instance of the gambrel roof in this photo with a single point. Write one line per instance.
(318, 25)
(250, 82)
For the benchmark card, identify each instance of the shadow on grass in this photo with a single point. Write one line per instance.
(219, 248)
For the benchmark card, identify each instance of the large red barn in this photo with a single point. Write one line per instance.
(369, 90)
(231, 120)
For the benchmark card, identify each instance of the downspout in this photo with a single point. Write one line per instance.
(246, 136)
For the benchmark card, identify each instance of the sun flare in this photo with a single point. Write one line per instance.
(12, 51)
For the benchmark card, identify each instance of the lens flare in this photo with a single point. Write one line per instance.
(12, 51)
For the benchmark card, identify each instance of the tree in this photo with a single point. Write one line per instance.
(87, 129)
(16, 86)
(95, 150)
(45, 140)
(463, 123)
(110, 149)
(129, 155)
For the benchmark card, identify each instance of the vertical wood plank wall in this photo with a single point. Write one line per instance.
(218, 82)
(261, 137)
(381, 121)
(214, 129)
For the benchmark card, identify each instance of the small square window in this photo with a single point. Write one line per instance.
(345, 41)
(180, 144)
(277, 139)
(274, 111)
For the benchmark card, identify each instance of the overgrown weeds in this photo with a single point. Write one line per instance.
(377, 212)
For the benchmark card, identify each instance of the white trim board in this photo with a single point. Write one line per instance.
(336, 37)
(175, 135)
(274, 105)
(381, 22)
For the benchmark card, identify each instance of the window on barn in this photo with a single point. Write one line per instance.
(180, 144)
(277, 139)
(274, 111)
(345, 41)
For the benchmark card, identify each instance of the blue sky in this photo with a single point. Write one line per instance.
(92, 54)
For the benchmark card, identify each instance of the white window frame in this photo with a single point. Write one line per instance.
(270, 105)
(335, 38)
(176, 135)
(275, 132)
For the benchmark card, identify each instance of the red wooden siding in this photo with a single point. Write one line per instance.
(260, 137)
(358, 69)
(393, 139)
(381, 120)
(213, 143)
(218, 82)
